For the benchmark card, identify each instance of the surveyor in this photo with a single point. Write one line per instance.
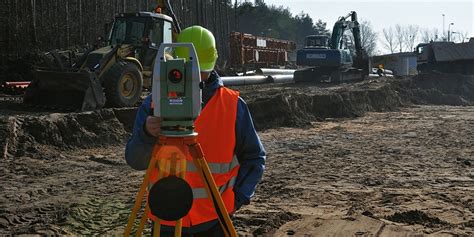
(225, 132)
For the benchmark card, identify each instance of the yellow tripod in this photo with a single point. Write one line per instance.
(169, 162)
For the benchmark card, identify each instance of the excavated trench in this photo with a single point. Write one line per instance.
(286, 105)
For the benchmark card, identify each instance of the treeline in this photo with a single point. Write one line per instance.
(49, 24)
(28, 25)
(277, 22)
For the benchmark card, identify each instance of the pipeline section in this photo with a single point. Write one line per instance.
(245, 80)
(274, 71)
(260, 76)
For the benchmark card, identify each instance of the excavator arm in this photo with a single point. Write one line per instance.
(341, 26)
(344, 23)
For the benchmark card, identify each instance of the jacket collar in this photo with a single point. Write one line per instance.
(210, 86)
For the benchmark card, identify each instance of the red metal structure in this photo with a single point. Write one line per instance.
(247, 50)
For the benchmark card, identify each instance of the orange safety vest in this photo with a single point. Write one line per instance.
(216, 134)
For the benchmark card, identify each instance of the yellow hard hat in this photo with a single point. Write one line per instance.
(204, 43)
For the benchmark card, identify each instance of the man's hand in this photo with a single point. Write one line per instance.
(153, 126)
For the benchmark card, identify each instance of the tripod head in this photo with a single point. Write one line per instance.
(176, 91)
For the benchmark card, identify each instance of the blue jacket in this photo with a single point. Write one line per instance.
(248, 148)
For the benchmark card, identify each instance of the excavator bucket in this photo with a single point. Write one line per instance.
(80, 90)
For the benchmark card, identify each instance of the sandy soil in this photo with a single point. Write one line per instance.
(353, 159)
(349, 177)
(384, 174)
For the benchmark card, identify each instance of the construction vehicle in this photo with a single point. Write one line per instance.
(120, 70)
(446, 57)
(338, 58)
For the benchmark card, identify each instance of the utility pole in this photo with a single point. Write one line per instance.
(449, 31)
(444, 32)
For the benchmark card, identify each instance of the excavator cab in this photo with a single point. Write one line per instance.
(113, 75)
(317, 41)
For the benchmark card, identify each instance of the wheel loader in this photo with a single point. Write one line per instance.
(114, 75)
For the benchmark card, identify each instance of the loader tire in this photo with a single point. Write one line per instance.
(123, 85)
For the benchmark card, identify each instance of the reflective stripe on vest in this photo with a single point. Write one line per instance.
(201, 192)
(216, 168)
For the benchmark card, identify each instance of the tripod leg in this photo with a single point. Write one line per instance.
(140, 195)
(179, 223)
(178, 228)
(142, 221)
(211, 189)
(156, 228)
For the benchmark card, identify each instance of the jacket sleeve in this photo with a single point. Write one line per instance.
(140, 144)
(251, 155)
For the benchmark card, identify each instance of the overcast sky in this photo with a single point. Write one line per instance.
(386, 13)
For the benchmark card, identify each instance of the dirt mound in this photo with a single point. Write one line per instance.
(416, 217)
(297, 107)
(437, 89)
(35, 134)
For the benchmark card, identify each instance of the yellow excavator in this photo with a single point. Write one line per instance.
(114, 75)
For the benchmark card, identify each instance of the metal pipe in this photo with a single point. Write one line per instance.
(244, 80)
(274, 71)
(373, 75)
(248, 73)
(281, 78)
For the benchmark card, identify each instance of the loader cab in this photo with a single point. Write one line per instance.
(144, 31)
(144, 28)
(317, 41)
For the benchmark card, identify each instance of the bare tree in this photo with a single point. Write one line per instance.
(368, 37)
(427, 35)
(411, 36)
(389, 39)
(460, 36)
(400, 37)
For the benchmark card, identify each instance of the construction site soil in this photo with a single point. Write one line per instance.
(382, 157)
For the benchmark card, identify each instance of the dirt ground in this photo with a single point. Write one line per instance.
(371, 176)
(346, 160)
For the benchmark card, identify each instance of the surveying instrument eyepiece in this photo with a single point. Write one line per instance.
(176, 97)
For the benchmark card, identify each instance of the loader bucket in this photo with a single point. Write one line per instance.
(80, 90)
